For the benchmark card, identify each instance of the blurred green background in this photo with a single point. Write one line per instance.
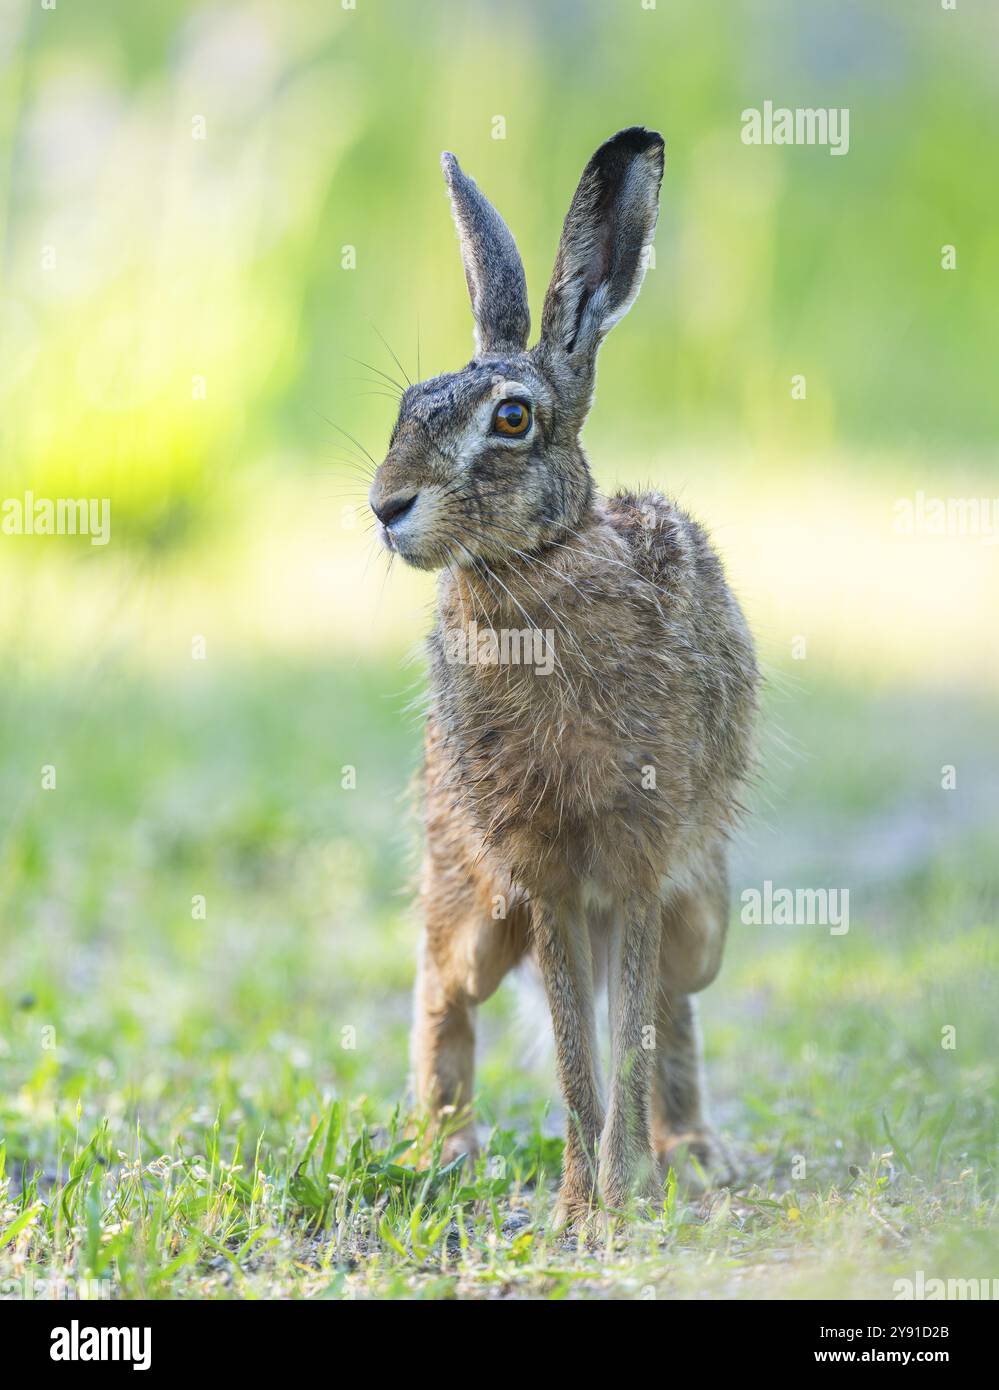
(220, 225)
(173, 256)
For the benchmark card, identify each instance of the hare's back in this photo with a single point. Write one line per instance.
(669, 548)
(673, 552)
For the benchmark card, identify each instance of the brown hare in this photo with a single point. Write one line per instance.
(593, 689)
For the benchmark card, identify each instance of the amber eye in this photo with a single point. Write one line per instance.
(512, 418)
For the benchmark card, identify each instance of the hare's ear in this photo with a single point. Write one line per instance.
(492, 263)
(603, 253)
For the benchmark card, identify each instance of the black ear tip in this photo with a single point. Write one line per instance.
(635, 140)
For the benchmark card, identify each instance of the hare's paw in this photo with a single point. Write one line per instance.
(463, 1141)
(583, 1223)
(699, 1153)
(576, 1209)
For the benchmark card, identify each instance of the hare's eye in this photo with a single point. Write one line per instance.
(512, 418)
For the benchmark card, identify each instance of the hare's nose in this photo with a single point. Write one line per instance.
(394, 508)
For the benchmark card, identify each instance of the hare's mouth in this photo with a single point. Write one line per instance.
(410, 526)
(398, 545)
(413, 547)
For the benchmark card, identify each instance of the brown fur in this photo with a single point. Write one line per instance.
(578, 817)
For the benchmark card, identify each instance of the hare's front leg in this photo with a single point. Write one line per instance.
(464, 954)
(562, 948)
(626, 1163)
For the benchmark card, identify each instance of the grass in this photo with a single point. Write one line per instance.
(208, 949)
(206, 941)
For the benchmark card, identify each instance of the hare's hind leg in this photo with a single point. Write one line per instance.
(694, 926)
(678, 1093)
(464, 954)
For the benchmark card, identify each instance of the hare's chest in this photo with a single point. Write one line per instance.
(530, 751)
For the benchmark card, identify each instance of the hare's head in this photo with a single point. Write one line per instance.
(485, 463)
